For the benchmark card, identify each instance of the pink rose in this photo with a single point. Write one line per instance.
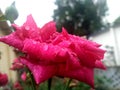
(16, 65)
(3, 79)
(49, 53)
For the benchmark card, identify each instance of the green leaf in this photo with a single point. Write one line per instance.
(2, 18)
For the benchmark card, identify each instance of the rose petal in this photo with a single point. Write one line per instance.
(45, 52)
(47, 30)
(12, 40)
(83, 74)
(40, 72)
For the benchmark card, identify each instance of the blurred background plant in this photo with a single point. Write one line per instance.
(11, 14)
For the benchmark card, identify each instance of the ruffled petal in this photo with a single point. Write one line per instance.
(99, 64)
(31, 27)
(28, 30)
(39, 71)
(82, 74)
(12, 40)
(87, 51)
(45, 52)
(47, 31)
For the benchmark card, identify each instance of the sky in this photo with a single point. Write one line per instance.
(42, 10)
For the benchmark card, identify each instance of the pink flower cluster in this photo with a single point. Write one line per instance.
(3, 79)
(49, 53)
(17, 86)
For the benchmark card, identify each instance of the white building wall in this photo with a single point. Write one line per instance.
(103, 38)
(117, 35)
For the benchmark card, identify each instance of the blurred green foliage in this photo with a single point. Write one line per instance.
(81, 17)
(60, 84)
(11, 13)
